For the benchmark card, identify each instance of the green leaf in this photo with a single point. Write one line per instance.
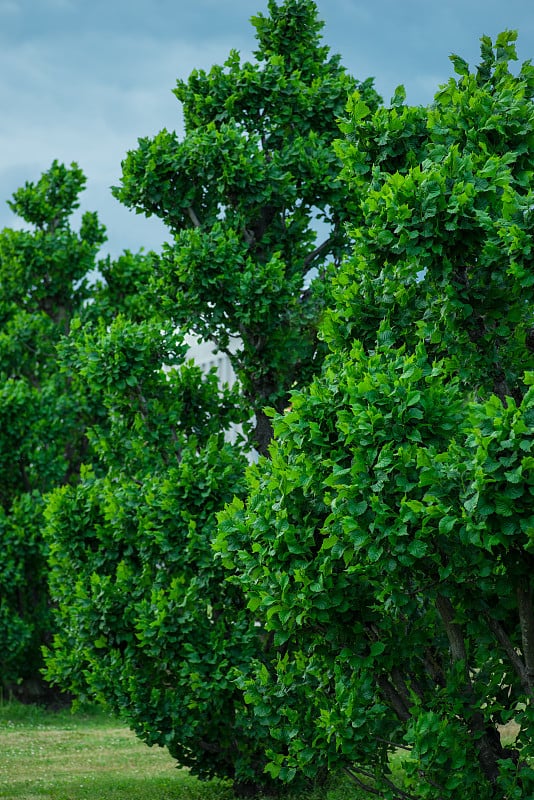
(446, 524)
(418, 548)
(461, 67)
(471, 503)
(377, 648)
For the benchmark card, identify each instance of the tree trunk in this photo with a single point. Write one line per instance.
(263, 433)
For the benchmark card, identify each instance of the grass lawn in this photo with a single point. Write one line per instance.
(62, 756)
(48, 755)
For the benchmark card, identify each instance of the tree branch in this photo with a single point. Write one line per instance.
(433, 668)
(396, 745)
(400, 793)
(24, 475)
(453, 630)
(361, 784)
(393, 697)
(526, 621)
(193, 217)
(487, 740)
(144, 406)
(310, 258)
(248, 236)
(177, 448)
(400, 685)
(503, 639)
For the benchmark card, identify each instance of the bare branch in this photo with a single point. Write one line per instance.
(310, 258)
(433, 668)
(361, 784)
(453, 630)
(400, 793)
(144, 405)
(177, 448)
(393, 697)
(503, 639)
(396, 745)
(526, 620)
(193, 217)
(486, 740)
(401, 686)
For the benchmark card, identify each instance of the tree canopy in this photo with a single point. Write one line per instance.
(147, 621)
(43, 279)
(242, 193)
(361, 598)
(387, 544)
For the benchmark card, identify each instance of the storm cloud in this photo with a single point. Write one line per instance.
(83, 81)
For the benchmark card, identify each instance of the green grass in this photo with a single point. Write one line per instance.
(63, 756)
(47, 755)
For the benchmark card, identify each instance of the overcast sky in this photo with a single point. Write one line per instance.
(81, 80)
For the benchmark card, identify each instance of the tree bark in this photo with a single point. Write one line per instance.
(487, 739)
(393, 697)
(263, 433)
(526, 621)
(516, 661)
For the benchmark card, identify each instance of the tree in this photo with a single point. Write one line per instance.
(146, 619)
(242, 193)
(146, 623)
(387, 546)
(43, 275)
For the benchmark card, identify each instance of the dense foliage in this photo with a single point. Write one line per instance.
(242, 192)
(147, 622)
(388, 544)
(365, 600)
(43, 270)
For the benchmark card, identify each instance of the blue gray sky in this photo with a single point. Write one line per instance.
(81, 80)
